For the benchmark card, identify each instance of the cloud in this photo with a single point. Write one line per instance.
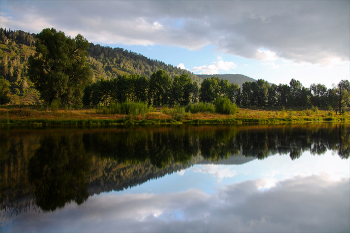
(270, 64)
(266, 55)
(307, 31)
(181, 173)
(181, 66)
(218, 171)
(214, 67)
(299, 204)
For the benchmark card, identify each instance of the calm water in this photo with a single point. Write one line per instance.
(176, 179)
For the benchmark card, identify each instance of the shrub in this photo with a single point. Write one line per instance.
(223, 105)
(127, 108)
(315, 109)
(200, 107)
(55, 105)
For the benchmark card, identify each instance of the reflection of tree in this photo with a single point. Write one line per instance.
(59, 165)
(59, 171)
(344, 142)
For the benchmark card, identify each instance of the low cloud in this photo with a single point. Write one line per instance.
(214, 67)
(218, 171)
(181, 66)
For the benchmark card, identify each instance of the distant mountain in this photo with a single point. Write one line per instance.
(232, 78)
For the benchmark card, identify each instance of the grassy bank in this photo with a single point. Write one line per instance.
(36, 116)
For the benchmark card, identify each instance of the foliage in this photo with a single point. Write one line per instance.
(4, 91)
(58, 68)
(224, 106)
(200, 107)
(127, 108)
(109, 63)
(55, 105)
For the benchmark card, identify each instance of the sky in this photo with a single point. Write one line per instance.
(306, 40)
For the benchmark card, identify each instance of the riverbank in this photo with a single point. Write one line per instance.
(35, 116)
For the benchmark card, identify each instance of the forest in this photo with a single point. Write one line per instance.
(118, 75)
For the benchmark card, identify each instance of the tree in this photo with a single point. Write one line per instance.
(182, 89)
(343, 91)
(295, 88)
(4, 91)
(58, 68)
(210, 89)
(160, 88)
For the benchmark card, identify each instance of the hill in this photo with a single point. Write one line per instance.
(232, 78)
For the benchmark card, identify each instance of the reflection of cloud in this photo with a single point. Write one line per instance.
(264, 184)
(216, 170)
(300, 204)
(181, 173)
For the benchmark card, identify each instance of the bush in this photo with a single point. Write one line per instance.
(127, 108)
(200, 107)
(224, 106)
(55, 105)
(315, 109)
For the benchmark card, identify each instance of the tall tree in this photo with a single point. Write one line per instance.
(160, 88)
(343, 91)
(210, 89)
(58, 68)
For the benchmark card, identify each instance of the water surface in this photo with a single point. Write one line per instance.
(176, 179)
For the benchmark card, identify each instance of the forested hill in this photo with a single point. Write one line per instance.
(106, 62)
(110, 62)
(232, 78)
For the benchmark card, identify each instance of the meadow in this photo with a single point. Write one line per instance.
(37, 115)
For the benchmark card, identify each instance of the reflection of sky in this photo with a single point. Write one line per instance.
(310, 194)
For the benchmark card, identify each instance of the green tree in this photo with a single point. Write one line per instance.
(182, 89)
(343, 91)
(210, 90)
(295, 88)
(4, 91)
(160, 88)
(58, 68)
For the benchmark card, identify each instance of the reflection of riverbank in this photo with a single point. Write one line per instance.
(71, 164)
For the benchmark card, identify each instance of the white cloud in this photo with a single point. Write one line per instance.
(270, 64)
(181, 173)
(266, 55)
(214, 67)
(218, 171)
(181, 66)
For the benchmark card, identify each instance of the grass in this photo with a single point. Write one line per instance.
(177, 115)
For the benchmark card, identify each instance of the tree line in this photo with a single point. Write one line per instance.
(161, 90)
